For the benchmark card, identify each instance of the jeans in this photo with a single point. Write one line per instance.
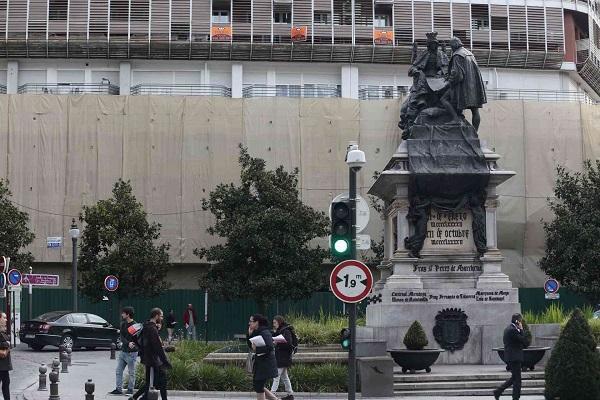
(282, 374)
(126, 359)
(514, 381)
(5, 379)
(191, 332)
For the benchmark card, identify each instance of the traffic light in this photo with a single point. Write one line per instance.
(345, 338)
(341, 225)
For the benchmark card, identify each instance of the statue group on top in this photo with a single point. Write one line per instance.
(442, 89)
(449, 171)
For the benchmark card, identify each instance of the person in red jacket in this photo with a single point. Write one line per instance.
(189, 320)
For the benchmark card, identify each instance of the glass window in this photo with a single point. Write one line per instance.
(480, 24)
(50, 317)
(282, 17)
(94, 319)
(220, 16)
(382, 20)
(78, 318)
(322, 17)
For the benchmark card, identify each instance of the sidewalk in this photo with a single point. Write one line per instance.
(98, 367)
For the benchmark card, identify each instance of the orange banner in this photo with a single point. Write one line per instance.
(221, 33)
(299, 33)
(383, 37)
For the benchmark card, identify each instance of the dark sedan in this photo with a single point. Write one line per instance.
(70, 329)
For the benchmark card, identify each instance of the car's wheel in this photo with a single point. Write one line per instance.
(67, 341)
(37, 347)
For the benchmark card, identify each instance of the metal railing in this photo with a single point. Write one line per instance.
(68, 88)
(307, 90)
(539, 95)
(370, 92)
(181, 90)
(2, 89)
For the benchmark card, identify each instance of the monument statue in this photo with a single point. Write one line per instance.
(449, 170)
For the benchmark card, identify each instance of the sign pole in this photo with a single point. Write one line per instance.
(30, 295)
(352, 306)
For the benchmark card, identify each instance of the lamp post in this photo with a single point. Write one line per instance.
(355, 159)
(74, 233)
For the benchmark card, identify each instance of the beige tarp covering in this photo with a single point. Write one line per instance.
(62, 152)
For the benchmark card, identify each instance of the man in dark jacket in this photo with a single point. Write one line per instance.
(153, 355)
(514, 343)
(5, 362)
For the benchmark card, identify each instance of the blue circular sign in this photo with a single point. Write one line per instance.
(111, 283)
(551, 286)
(2, 281)
(14, 277)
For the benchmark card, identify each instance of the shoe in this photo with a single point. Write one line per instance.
(496, 395)
(130, 392)
(117, 392)
(288, 397)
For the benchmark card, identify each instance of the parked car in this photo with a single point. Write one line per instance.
(73, 330)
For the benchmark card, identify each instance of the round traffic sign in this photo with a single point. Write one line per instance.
(551, 285)
(111, 283)
(2, 281)
(351, 281)
(14, 277)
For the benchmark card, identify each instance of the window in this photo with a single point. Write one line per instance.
(480, 17)
(499, 23)
(119, 10)
(282, 17)
(220, 16)
(342, 12)
(57, 10)
(478, 24)
(322, 17)
(382, 20)
(96, 320)
(78, 318)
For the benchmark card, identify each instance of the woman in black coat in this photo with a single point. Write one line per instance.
(5, 362)
(283, 354)
(265, 365)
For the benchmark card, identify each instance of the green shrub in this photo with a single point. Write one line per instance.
(415, 338)
(320, 378)
(237, 379)
(527, 332)
(192, 351)
(181, 375)
(318, 331)
(595, 328)
(574, 366)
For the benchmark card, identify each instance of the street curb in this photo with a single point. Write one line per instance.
(233, 395)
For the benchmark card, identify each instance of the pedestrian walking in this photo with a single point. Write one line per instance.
(514, 342)
(128, 355)
(190, 319)
(153, 357)
(170, 325)
(283, 354)
(5, 361)
(265, 364)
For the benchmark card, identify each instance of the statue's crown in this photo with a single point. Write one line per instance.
(432, 36)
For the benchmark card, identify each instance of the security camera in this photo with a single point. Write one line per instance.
(355, 157)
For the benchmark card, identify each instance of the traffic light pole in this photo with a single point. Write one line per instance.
(352, 306)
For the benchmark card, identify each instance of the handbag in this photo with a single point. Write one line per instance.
(250, 362)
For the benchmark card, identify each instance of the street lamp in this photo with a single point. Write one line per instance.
(355, 159)
(74, 233)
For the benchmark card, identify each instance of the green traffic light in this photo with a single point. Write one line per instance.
(346, 343)
(340, 246)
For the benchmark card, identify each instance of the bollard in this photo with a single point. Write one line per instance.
(61, 348)
(89, 390)
(54, 386)
(64, 360)
(70, 355)
(42, 382)
(113, 349)
(152, 394)
(56, 366)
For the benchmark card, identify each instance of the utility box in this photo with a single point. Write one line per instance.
(376, 376)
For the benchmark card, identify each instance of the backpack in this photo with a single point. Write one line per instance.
(294, 343)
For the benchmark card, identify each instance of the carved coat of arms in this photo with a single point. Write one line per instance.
(451, 330)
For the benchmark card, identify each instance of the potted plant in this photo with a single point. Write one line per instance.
(531, 354)
(415, 357)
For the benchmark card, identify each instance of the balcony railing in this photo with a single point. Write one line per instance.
(292, 91)
(68, 88)
(382, 92)
(2, 89)
(180, 90)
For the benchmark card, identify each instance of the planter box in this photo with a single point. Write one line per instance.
(532, 355)
(415, 360)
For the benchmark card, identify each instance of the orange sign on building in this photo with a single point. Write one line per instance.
(299, 33)
(221, 33)
(381, 36)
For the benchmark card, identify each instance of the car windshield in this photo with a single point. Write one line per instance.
(50, 316)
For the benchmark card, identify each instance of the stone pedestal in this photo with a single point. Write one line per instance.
(449, 274)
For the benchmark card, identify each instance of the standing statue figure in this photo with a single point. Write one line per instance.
(427, 70)
(466, 89)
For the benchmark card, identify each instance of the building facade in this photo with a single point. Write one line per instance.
(312, 48)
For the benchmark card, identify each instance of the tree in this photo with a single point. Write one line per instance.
(118, 240)
(572, 245)
(267, 230)
(574, 366)
(14, 231)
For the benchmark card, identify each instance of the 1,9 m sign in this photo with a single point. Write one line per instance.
(351, 281)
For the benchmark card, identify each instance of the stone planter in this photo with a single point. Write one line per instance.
(415, 360)
(531, 356)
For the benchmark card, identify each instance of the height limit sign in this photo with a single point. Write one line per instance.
(351, 281)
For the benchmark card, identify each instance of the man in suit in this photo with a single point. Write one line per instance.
(514, 343)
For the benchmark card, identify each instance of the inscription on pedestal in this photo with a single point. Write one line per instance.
(436, 269)
(448, 230)
(445, 296)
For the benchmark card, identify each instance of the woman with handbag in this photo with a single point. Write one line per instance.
(5, 361)
(260, 341)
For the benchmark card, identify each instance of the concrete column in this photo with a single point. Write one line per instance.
(51, 76)
(237, 81)
(271, 77)
(87, 77)
(125, 78)
(349, 81)
(205, 75)
(12, 77)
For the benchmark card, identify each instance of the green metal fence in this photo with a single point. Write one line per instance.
(228, 318)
